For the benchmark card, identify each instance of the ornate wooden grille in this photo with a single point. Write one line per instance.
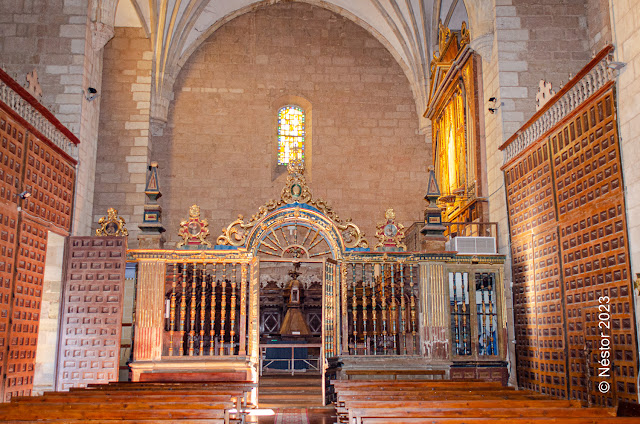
(569, 248)
(205, 304)
(91, 311)
(381, 309)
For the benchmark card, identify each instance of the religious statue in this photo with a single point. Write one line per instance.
(294, 323)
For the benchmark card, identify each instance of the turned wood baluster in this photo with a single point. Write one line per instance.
(212, 318)
(223, 306)
(491, 339)
(203, 302)
(394, 310)
(365, 335)
(354, 309)
(403, 310)
(232, 330)
(483, 314)
(384, 309)
(413, 312)
(242, 350)
(455, 312)
(374, 312)
(172, 311)
(183, 307)
(465, 298)
(192, 310)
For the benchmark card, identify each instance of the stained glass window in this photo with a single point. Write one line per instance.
(291, 132)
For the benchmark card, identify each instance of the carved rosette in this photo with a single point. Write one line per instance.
(112, 225)
(194, 230)
(295, 191)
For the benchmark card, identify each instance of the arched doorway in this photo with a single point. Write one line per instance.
(296, 232)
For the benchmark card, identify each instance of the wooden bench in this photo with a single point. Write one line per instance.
(395, 373)
(375, 402)
(214, 402)
(192, 376)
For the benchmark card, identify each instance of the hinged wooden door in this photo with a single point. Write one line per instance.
(89, 342)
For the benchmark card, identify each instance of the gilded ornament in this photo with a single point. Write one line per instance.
(194, 230)
(444, 35)
(295, 191)
(465, 37)
(112, 225)
(390, 233)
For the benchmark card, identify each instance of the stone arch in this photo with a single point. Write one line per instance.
(161, 97)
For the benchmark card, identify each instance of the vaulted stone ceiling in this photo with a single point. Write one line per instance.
(408, 28)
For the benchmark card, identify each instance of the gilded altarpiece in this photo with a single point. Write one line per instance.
(454, 113)
(573, 298)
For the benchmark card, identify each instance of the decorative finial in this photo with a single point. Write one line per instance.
(151, 229)
(33, 86)
(544, 94)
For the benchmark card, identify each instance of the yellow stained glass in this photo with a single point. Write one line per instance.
(291, 132)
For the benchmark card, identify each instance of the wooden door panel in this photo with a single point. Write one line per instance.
(91, 321)
(25, 312)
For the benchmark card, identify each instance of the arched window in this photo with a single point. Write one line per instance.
(291, 134)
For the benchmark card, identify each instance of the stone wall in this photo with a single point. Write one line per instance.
(219, 146)
(54, 38)
(123, 146)
(598, 24)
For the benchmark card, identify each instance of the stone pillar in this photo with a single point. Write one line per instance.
(149, 322)
(44, 375)
(435, 311)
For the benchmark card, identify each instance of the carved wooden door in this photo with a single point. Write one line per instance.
(93, 289)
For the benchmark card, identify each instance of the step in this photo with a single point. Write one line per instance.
(289, 396)
(290, 390)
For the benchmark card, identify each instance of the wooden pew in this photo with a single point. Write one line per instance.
(485, 420)
(396, 373)
(134, 402)
(217, 412)
(405, 402)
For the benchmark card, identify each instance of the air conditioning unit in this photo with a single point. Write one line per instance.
(472, 245)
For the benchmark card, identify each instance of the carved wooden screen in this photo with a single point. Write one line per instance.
(11, 153)
(570, 254)
(91, 320)
(42, 167)
(49, 179)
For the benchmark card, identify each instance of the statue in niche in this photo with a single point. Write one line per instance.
(294, 323)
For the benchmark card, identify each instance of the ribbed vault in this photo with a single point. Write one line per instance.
(407, 28)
